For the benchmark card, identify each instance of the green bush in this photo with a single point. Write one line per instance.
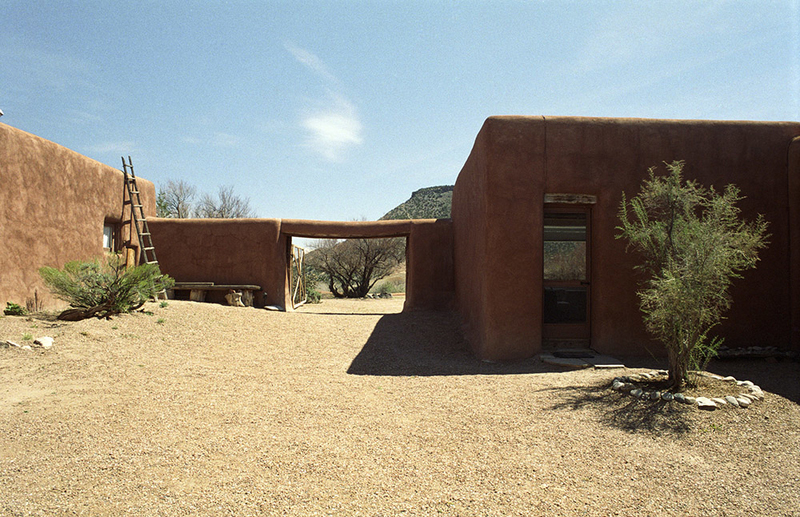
(101, 290)
(12, 309)
(693, 242)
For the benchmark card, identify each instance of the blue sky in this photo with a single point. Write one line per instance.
(339, 110)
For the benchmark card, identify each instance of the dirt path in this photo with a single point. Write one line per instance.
(349, 408)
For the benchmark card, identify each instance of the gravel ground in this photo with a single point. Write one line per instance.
(351, 408)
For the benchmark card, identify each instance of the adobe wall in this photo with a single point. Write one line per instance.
(794, 238)
(225, 251)
(430, 282)
(496, 204)
(516, 160)
(255, 251)
(53, 205)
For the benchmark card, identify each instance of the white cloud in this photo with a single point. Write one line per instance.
(335, 127)
(333, 130)
(311, 61)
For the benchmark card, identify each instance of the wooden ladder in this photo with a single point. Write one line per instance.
(139, 219)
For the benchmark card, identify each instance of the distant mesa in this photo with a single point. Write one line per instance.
(425, 203)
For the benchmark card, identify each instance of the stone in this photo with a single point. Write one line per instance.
(729, 378)
(234, 298)
(26, 347)
(617, 385)
(730, 399)
(689, 400)
(719, 400)
(667, 396)
(706, 404)
(636, 393)
(680, 398)
(655, 395)
(9, 344)
(44, 342)
(743, 401)
(627, 386)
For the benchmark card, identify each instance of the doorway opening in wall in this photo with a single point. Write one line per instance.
(567, 276)
(354, 269)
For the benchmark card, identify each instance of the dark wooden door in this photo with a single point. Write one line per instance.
(567, 273)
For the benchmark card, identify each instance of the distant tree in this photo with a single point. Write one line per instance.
(352, 267)
(694, 243)
(175, 199)
(225, 205)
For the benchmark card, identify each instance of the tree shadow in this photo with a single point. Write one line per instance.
(623, 411)
(778, 377)
(426, 343)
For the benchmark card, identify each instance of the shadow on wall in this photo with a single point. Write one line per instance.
(425, 343)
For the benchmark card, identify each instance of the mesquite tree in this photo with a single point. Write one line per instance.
(352, 267)
(694, 243)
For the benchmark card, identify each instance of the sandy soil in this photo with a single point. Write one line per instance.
(349, 408)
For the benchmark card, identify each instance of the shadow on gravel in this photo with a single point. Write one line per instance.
(428, 343)
(622, 411)
(778, 377)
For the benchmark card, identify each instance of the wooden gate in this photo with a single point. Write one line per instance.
(297, 276)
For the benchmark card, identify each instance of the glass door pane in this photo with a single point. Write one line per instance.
(566, 280)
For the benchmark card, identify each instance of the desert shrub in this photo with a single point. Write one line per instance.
(13, 309)
(313, 295)
(694, 244)
(103, 289)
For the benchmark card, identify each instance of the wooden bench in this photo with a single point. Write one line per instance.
(198, 290)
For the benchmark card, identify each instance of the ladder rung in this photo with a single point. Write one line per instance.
(149, 248)
(145, 233)
(138, 206)
(134, 191)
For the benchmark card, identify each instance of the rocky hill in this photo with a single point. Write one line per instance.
(425, 203)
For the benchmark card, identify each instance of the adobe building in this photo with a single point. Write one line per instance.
(536, 186)
(528, 260)
(57, 206)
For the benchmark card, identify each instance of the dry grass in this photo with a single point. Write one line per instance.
(347, 408)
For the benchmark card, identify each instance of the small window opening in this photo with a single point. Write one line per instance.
(110, 233)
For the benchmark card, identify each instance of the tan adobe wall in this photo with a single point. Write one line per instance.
(430, 281)
(255, 251)
(517, 160)
(53, 205)
(494, 208)
(224, 251)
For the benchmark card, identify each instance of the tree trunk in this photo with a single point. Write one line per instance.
(678, 366)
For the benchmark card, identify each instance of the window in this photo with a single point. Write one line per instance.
(110, 237)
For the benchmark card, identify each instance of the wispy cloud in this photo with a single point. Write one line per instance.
(333, 126)
(333, 130)
(312, 62)
(220, 139)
